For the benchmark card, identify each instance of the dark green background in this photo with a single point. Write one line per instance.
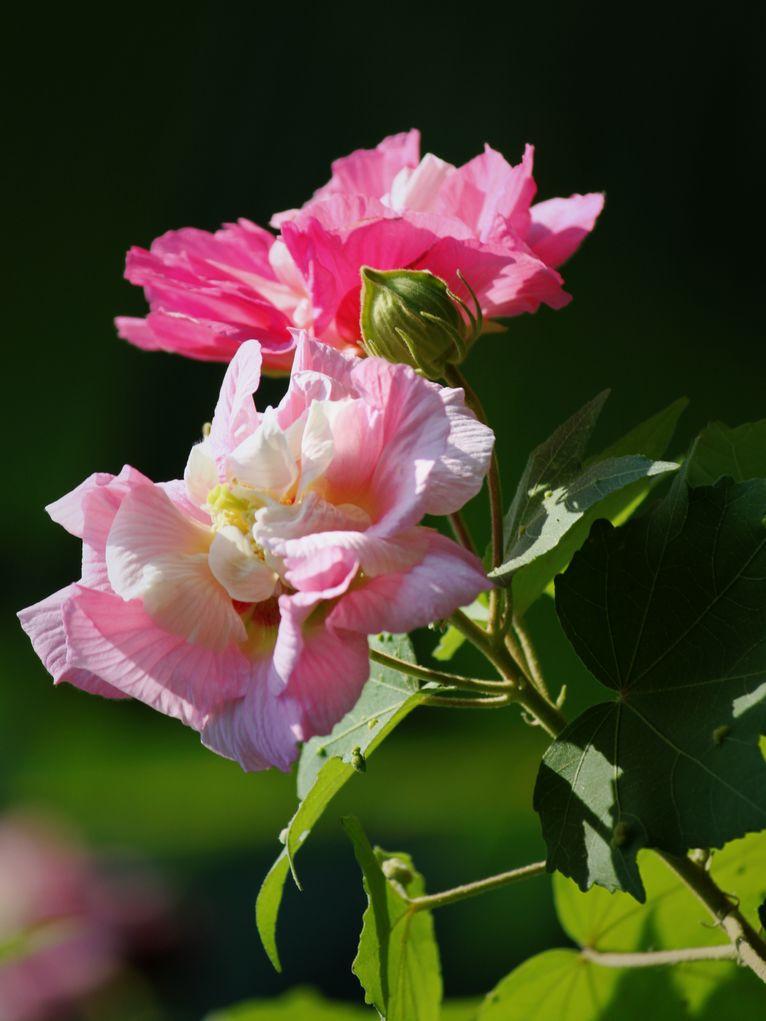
(131, 120)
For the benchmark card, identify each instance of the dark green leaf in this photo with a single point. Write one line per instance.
(398, 959)
(720, 450)
(669, 612)
(651, 439)
(325, 766)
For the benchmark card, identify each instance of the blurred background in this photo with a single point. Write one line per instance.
(163, 116)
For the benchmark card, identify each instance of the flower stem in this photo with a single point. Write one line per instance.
(461, 532)
(530, 657)
(749, 946)
(496, 596)
(652, 958)
(439, 701)
(523, 692)
(438, 676)
(439, 900)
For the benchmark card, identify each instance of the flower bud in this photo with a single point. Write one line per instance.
(397, 870)
(411, 316)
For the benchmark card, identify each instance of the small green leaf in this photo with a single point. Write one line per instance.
(719, 450)
(669, 612)
(326, 765)
(398, 959)
(651, 439)
(452, 639)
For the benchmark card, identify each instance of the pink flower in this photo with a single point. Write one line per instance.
(65, 925)
(240, 600)
(386, 208)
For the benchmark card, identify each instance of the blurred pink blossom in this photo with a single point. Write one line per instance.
(240, 600)
(65, 925)
(386, 208)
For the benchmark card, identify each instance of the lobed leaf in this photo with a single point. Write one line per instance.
(398, 960)
(670, 613)
(325, 766)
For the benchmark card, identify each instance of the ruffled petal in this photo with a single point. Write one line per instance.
(446, 578)
(559, 226)
(234, 565)
(459, 474)
(118, 642)
(44, 624)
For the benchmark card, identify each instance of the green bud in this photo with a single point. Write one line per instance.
(411, 316)
(397, 870)
(358, 761)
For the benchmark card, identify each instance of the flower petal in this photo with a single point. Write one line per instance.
(120, 643)
(559, 226)
(446, 578)
(236, 567)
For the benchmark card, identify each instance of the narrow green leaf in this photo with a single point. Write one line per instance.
(650, 439)
(738, 452)
(670, 613)
(557, 510)
(325, 766)
(557, 459)
(398, 959)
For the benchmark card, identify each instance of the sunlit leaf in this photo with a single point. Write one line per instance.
(452, 639)
(670, 613)
(651, 439)
(325, 766)
(398, 959)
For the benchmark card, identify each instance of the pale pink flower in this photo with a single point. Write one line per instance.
(386, 208)
(240, 600)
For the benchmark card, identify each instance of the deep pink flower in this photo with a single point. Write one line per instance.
(240, 600)
(385, 208)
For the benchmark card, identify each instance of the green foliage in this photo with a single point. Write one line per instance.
(296, 1005)
(558, 985)
(326, 765)
(398, 959)
(720, 450)
(669, 612)
(651, 439)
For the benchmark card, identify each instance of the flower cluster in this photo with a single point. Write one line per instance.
(385, 208)
(239, 600)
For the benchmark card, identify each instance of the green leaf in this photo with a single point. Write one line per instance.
(325, 766)
(555, 511)
(398, 959)
(558, 985)
(651, 439)
(672, 918)
(670, 613)
(452, 639)
(296, 1005)
(720, 450)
